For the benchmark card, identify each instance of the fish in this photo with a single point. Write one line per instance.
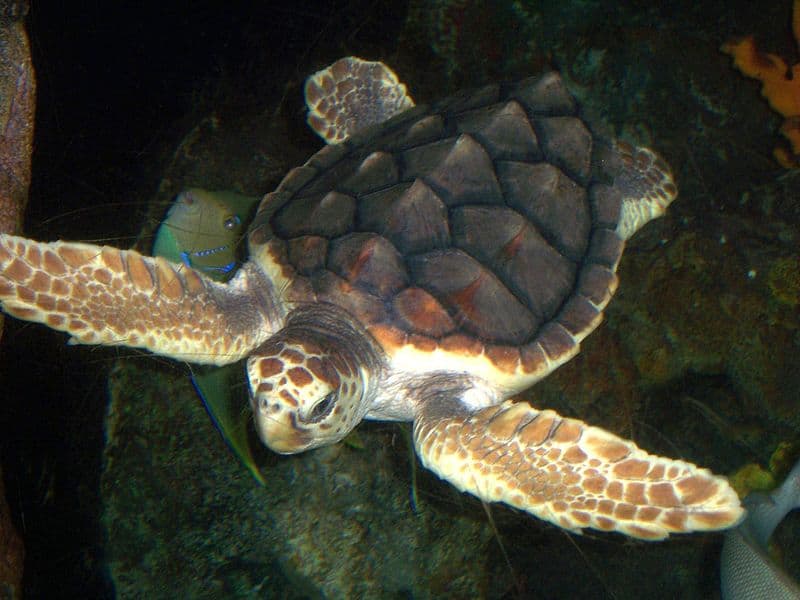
(746, 569)
(203, 230)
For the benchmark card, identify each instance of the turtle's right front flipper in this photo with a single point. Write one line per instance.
(570, 473)
(103, 295)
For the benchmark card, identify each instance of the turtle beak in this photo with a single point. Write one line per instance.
(280, 433)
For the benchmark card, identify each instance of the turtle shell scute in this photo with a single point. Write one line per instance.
(483, 224)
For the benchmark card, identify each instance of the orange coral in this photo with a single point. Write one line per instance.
(780, 85)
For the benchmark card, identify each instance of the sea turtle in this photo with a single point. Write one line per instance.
(426, 269)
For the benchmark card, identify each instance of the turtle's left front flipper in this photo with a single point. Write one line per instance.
(103, 295)
(571, 474)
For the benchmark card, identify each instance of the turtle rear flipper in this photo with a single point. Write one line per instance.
(646, 185)
(570, 473)
(103, 295)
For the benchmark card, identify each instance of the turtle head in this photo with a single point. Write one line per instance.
(305, 395)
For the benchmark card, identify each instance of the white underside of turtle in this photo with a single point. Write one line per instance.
(425, 266)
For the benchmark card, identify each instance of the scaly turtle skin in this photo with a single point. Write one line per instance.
(425, 269)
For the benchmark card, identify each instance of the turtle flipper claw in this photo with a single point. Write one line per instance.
(572, 474)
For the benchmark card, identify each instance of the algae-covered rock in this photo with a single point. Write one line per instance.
(182, 514)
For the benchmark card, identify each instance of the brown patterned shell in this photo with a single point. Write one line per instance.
(480, 225)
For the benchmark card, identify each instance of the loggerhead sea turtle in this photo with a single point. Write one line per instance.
(426, 269)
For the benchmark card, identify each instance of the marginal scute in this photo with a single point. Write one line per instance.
(556, 342)
(606, 202)
(544, 95)
(504, 358)
(461, 344)
(605, 248)
(376, 171)
(419, 311)
(297, 178)
(579, 316)
(469, 99)
(329, 215)
(422, 342)
(330, 178)
(597, 283)
(534, 360)
(424, 131)
(260, 229)
(329, 155)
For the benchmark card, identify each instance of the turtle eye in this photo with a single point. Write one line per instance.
(322, 408)
(231, 222)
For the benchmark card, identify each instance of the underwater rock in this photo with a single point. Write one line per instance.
(17, 101)
(17, 93)
(181, 513)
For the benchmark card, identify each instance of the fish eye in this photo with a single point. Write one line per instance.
(231, 222)
(322, 408)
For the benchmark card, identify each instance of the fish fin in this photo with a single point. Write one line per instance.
(227, 404)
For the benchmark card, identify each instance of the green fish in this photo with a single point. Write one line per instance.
(202, 230)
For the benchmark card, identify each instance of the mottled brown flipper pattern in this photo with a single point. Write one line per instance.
(103, 295)
(572, 474)
(352, 94)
